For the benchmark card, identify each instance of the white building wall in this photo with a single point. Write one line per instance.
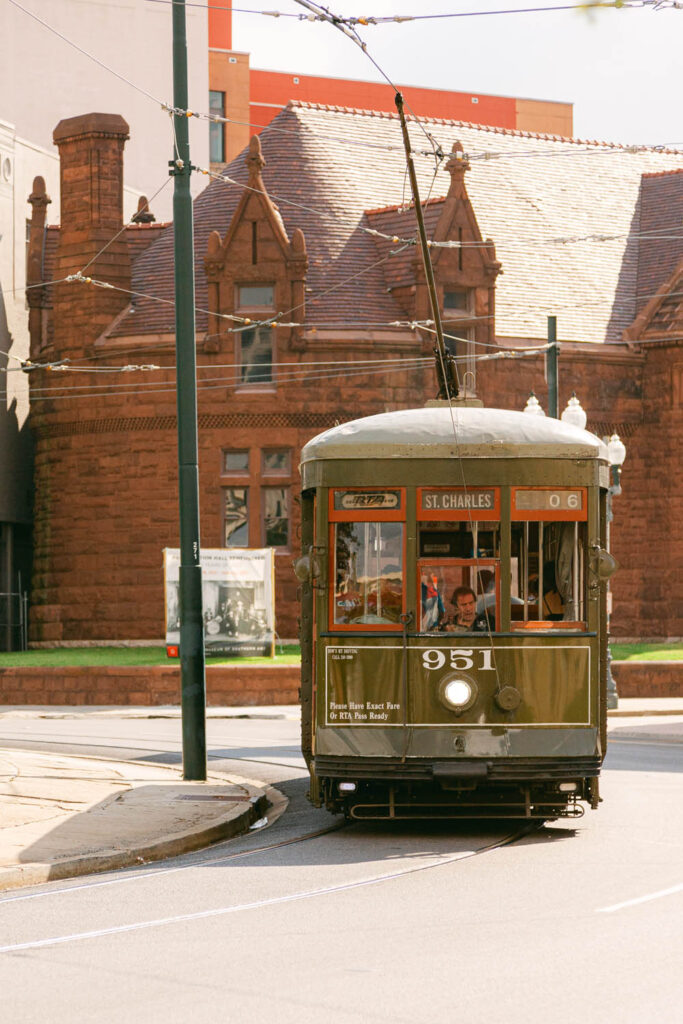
(44, 79)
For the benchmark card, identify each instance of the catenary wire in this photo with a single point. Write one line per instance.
(399, 19)
(219, 387)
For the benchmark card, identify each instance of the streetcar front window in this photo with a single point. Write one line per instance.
(368, 573)
(458, 595)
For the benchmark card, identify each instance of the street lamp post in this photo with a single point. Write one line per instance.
(616, 452)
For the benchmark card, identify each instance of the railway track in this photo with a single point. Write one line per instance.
(217, 854)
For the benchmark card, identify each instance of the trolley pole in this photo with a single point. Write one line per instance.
(551, 369)
(192, 670)
(446, 371)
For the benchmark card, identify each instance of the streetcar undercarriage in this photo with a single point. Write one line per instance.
(457, 790)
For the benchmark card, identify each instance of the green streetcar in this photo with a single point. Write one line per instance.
(453, 629)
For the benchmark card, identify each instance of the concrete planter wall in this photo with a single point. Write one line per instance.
(147, 685)
(648, 678)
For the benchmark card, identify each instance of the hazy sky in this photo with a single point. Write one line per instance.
(621, 68)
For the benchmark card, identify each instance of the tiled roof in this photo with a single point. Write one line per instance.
(661, 218)
(141, 236)
(399, 222)
(537, 197)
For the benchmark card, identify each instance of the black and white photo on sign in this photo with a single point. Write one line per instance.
(237, 599)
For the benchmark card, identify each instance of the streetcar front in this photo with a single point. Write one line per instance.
(453, 621)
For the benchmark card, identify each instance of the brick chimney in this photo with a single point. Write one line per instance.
(91, 189)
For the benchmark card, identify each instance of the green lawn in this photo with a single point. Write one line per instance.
(284, 655)
(647, 652)
(125, 656)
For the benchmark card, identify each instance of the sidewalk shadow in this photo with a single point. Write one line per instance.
(150, 822)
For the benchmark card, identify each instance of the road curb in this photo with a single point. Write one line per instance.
(18, 875)
(260, 801)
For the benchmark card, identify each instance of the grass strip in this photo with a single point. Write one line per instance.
(125, 657)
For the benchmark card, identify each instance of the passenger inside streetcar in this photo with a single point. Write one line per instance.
(465, 618)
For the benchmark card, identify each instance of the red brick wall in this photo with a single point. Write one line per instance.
(107, 492)
(106, 496)
(148, 685)
(648, 678)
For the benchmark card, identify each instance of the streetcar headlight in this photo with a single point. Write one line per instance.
(347, 787)
(458, 693)
(568, 787)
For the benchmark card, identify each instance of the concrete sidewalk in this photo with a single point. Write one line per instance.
(62, 815)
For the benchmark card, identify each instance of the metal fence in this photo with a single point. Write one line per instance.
(14, 621)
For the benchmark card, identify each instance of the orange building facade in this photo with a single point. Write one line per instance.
(249, 98)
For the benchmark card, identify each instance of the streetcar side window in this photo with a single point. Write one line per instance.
(368, 574)
(548, 573)
(548, 557)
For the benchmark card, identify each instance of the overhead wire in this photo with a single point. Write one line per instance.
(399, 19)
(282, 370)
(485, 155)
(279, 377)
(250, 386)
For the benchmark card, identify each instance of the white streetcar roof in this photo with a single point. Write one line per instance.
(437, 432)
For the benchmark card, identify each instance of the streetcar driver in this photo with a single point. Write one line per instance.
(465, 618)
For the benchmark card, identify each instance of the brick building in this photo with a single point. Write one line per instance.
(309, 230)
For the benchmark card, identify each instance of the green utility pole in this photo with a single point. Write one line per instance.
(192, 672)
(551, 368)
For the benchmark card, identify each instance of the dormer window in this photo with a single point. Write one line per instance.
(457, 302)
(256, 296)
(255, 345)
(458, 310)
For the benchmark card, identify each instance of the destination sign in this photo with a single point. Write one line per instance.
(459, 500)
(548, 501)
(360, 500)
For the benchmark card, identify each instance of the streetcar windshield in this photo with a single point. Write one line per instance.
(368, 573)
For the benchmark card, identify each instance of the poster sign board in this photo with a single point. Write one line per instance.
(238, 601)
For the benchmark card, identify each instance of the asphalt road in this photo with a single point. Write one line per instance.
(308, 922)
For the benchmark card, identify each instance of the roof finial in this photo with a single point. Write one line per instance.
(255, 160)
(457, 166)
